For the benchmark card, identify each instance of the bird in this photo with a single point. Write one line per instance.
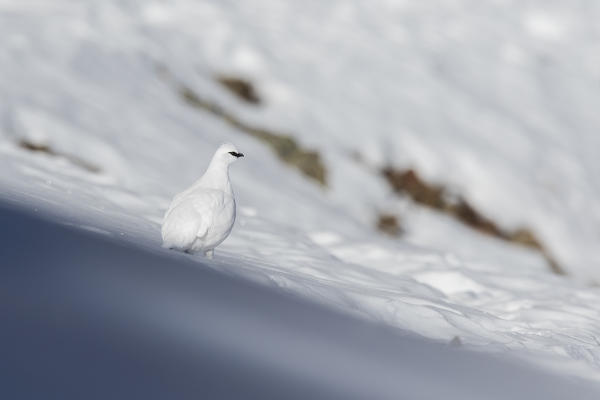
(201, 217)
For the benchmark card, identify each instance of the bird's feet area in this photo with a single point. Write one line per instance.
(209, 254)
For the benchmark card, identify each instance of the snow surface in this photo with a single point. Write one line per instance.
(496, 99)
(88, 317)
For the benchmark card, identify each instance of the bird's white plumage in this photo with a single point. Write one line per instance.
(202, 216)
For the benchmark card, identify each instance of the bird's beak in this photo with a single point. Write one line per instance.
(238, 155)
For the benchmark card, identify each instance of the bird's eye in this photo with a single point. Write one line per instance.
(233, 153)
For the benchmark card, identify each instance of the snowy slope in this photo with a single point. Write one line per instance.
(495, 102)
(114, 321)
(496, 99)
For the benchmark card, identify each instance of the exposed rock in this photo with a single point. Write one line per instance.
(388, 224)
(285, 146)
(241, 88)
(409, 183)
(43, 148)
(455, 342)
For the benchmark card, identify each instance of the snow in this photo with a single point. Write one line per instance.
(105, 311)
(498, 100)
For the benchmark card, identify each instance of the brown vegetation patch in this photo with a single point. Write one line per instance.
(285, 146)
(389, 224)
(43, 148)
(241, 88)
(409, 183)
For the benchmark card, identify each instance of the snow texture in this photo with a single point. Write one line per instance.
(86, 317)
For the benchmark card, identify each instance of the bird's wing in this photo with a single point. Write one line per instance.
(206, 204)
(191, 217)
(175, 202)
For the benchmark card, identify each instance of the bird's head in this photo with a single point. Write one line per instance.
(228, 153)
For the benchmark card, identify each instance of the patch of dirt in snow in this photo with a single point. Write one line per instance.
(389, 224)
(308, 161)
(409, 183)
(241, 88)
(43, 148)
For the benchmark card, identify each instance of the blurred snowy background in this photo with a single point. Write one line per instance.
(430, 165)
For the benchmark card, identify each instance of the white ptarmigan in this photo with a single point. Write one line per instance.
(202, 216)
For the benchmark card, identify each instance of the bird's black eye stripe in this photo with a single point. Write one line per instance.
(233, 153)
